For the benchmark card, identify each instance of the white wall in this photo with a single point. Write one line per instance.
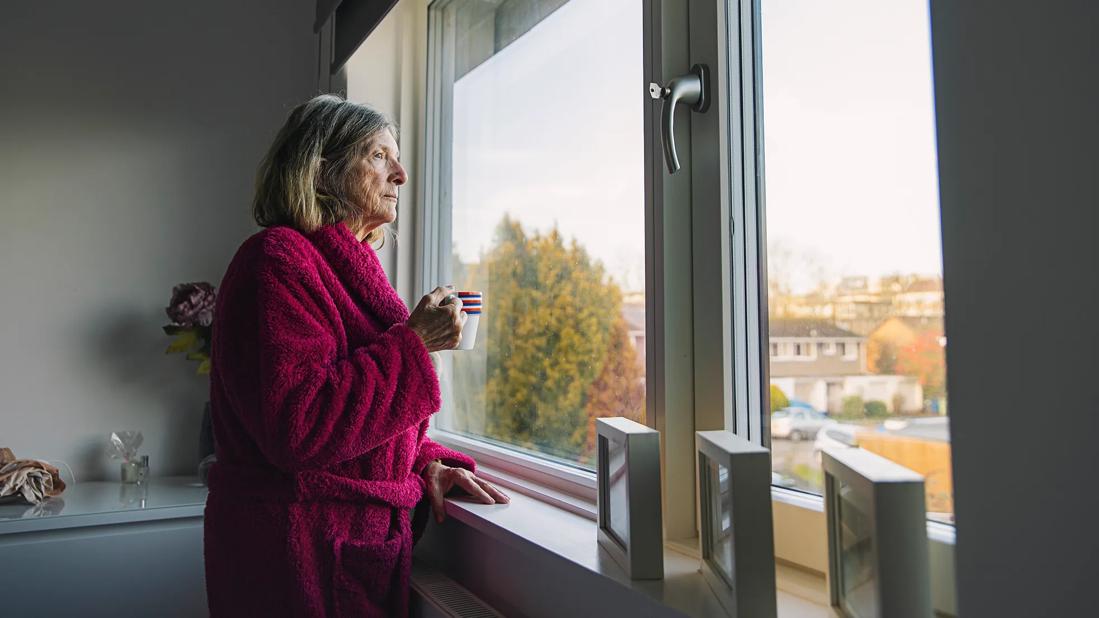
(1017, 98)
(130, 132)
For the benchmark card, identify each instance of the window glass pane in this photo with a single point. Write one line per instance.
(546, 190)
(853, 237)
(858, 574)
(721, 520)
(618, 490)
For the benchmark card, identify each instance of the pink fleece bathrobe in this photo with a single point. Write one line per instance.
(321, 396)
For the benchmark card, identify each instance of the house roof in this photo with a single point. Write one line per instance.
(790, 327)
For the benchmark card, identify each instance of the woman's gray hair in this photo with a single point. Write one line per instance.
(305, 180)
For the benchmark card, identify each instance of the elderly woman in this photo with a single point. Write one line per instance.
(322, 386)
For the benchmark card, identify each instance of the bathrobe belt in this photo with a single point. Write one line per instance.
(229, 481)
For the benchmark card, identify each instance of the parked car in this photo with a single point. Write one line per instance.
(797, 423)
(836, 435)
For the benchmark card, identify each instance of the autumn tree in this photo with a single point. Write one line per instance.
(620, 388)
(557, 351)
(881, 356)
(924, 358)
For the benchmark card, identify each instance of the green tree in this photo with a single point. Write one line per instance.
(778, 399)
(551, 319)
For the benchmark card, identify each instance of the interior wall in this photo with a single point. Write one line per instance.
(130, 133)
(1016, 98)
(389, 72)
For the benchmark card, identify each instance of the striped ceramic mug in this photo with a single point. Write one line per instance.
(472, 307)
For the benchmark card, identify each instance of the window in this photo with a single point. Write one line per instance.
(541, 206)
(849, 151)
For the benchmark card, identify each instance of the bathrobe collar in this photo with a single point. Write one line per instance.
(357, 266)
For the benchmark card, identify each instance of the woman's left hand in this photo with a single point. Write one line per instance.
(441, 478)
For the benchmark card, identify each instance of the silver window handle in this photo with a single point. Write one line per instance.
(691, 89)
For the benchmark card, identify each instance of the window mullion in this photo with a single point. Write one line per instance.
(748, 314)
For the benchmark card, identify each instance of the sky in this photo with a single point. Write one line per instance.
(550, 131)
(849, 136)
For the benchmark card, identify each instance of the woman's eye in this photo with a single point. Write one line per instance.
(379, 155)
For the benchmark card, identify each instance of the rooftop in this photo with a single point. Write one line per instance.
(787, 327)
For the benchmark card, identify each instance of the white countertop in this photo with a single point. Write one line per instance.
(105, 503)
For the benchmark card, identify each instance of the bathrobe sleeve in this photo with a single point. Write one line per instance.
(431, 450)
(318, 407)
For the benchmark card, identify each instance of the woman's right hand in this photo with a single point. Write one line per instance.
(437, 320)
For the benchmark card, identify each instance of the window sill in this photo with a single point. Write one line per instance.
(801, 541)
(543, 533)
(568, 487)
(936, 532)
(547, 520)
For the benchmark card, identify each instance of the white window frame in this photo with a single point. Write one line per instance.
(749, 216)
(687, 252)
(548, 479)
(705, 263)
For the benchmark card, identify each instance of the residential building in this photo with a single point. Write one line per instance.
(822, 364)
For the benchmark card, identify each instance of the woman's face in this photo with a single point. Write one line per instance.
(379, 174)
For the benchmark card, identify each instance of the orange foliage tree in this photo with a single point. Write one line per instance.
(924, 358)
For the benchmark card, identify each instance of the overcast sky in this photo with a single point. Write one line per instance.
(550, 131)
(850, 135)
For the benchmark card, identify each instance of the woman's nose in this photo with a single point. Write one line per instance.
(399, 176)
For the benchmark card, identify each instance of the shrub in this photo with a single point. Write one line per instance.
(853, 407)
(778, 399)
(876, 409)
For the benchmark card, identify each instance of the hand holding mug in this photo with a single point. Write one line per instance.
(438, 319)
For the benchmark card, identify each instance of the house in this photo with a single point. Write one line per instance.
(807, 348)
(822, 364)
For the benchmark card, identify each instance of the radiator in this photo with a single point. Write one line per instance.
(435, 595)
